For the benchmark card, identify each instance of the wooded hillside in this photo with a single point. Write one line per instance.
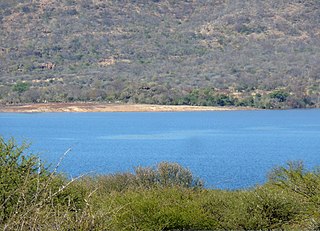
(246, 53)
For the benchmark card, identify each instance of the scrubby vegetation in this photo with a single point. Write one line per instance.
(263, 54)
(165, 197)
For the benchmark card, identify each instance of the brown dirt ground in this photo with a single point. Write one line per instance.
(101, 107)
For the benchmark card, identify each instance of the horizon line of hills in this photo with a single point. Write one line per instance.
(262, 54)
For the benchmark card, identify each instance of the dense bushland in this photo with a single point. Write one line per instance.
(250, 53)
(165, 197)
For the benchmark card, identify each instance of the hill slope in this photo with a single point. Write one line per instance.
(249, 53)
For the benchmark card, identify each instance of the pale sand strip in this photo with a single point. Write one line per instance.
(100, 107)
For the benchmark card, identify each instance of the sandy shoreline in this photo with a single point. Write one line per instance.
(104, 107)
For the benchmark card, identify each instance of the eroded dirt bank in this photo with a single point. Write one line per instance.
(100, 107)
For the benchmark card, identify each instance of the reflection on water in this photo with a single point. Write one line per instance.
(64, 138)
(175, 135)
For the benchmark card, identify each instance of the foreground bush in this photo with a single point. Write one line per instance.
(164, 175)
(31, 197)
(165, 197)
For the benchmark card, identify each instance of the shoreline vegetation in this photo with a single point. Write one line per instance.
(105, 107)
(164, 197)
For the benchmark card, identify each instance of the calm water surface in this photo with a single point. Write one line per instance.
(230, 149)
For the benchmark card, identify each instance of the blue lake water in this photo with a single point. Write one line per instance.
(227, 149)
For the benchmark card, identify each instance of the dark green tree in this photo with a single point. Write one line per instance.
(280, 95)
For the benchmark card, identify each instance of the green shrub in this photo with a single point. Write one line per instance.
(113, 182)
(305, 186)
(164, 175)
(32, 197)
(20, 178)
(297, 179)
(269, 208)
(21, 87)
(167, 175)
(174, 208)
